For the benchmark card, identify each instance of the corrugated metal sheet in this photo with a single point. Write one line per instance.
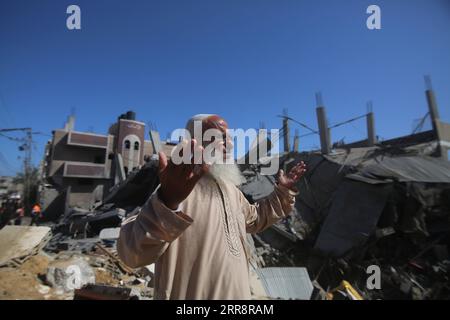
(286, 283)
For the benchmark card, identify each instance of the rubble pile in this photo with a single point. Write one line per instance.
(77, 252)
(382, 207)
(58, 274)
(356, 208)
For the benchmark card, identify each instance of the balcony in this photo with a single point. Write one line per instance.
(87, 140)
(85, 170)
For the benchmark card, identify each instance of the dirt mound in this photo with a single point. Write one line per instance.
(103, 276)
(26, 281)
(22, 283)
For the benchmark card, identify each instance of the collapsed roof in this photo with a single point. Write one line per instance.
(344, 195)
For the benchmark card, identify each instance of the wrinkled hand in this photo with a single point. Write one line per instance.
(292, 177)
(177, 181)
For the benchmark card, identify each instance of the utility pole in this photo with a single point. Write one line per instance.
(27, 148)
(27, 165)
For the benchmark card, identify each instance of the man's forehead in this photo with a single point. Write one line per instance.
(215, 122)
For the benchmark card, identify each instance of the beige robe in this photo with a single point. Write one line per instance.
(200, 251)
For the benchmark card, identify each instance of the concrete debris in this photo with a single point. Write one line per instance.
(147, 271)
(286, 283)
(18, 242)
(81, 246)
(136, 189)
(72, 261)
(110, 234)
(44, 290)
(71, 274)
(381, 206)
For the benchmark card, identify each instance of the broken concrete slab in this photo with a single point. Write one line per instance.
(17, 242)
(109, 233)
(286, 283)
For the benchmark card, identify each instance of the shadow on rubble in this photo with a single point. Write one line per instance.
(377, 219)
(369, 223)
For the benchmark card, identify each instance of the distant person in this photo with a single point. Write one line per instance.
(194, 225)
(36, 214)
(20, 213)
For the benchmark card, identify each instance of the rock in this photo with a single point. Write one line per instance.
(147, 270)
(109, 234)
(71, 274)
(135, 293)
(43, 289)
(137, 281)
(147, 293)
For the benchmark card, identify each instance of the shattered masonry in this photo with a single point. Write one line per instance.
(361, 204)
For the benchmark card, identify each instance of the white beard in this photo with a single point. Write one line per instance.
(228, 173)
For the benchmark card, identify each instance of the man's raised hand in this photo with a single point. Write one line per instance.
(293, 176)
(177, 181)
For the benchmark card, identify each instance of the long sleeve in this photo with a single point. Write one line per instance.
(261, 215)
(144, 237)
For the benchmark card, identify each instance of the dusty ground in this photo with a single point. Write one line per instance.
(28, 281)
(102, 276)
(25, 282)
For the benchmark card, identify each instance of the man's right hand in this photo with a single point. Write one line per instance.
(177, 181)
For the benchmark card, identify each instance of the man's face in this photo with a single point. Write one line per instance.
(218, 123)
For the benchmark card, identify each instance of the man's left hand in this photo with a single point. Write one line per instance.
(292, 177)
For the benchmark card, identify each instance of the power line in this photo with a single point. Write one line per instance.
(307, 134)
(314, 132)
(11, 138)
(347, 121)
(421, 123)
(298, 122)
(26, 147)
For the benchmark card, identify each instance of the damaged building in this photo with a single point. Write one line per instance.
(80, 167)
(368, 203)
(362, 204)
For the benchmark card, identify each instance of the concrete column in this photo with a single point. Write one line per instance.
(371, 137)
(434, 115)
(286, 134)
(324, 132)
(296, 141)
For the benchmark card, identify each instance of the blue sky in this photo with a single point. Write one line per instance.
(244, 59)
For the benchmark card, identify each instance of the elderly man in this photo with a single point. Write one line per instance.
(194, 225)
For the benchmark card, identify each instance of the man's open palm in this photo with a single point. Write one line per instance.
(177, 181)
(293, 176)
